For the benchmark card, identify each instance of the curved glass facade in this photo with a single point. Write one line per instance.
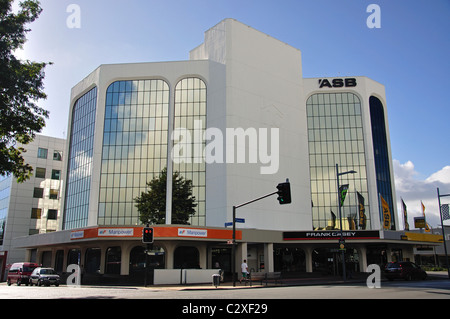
(335, 136)
(79, 170)
(381, 154)
(134, 146)
(190, 114)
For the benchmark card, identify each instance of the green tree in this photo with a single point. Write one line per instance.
(152, 203)
(21, 86)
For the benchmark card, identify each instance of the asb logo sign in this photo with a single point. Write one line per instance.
(337, 83)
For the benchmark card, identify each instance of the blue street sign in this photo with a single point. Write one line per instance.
(237, 220)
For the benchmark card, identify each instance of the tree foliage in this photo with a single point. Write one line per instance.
(152, 203)
(21, 86)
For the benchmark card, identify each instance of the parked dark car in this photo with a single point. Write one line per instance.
(404, 270)
(44, 276)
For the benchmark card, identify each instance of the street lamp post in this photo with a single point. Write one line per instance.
(341, 240)
(443, 230)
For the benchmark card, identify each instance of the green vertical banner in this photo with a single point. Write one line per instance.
(342, 193)
(362, 211)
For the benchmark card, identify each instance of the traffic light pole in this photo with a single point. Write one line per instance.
(147, 238)
(233, 247)
(146, 265)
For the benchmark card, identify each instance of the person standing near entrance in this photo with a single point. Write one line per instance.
(244, 270)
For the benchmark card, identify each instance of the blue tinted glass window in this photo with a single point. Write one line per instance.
(335, 136)
(79, 169)
(134, 146)
(381, 154)
(190, 114)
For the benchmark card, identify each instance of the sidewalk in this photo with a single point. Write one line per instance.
(306, 281)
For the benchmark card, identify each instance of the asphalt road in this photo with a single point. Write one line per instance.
(429, 289)
(400, 298)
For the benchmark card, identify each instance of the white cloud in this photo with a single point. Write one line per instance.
(414, 190)
(442, 176)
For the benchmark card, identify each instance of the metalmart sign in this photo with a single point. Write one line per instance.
(331, 234)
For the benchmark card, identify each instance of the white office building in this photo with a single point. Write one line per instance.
(237, 118)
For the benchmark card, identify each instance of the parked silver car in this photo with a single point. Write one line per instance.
(44, 276)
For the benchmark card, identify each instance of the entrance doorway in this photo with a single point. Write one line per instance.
(289, 260)
(221, 259)
(186, 257)
(329, 261)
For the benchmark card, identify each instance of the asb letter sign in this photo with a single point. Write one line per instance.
(337, 83)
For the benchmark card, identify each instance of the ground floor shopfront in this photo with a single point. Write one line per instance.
(118, 254)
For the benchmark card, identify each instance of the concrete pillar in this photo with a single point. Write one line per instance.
(268, 257)
(389, 254)
(240, 256)
(38, 256)
(362, 251)
(102, 259)
(28, 255)
(203, 255)
(125, 250)
(53, 262)
(169, 248)
(408, 253)
(65, 255)
(308, 258)
(82, 258)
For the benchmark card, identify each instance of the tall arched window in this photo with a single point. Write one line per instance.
(335, 136)
(134, 146)
(381, 154)
(79, 171)
(190, 114)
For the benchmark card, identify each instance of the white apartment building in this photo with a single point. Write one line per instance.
(31, 207)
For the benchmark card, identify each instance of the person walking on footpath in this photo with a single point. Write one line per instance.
(244, 270)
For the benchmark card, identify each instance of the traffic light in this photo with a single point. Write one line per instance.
(147, 235)
(284, 193)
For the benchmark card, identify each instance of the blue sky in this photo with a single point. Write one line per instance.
(409, 54)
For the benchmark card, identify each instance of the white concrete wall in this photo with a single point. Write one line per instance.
(183, 276)
(263, 90)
